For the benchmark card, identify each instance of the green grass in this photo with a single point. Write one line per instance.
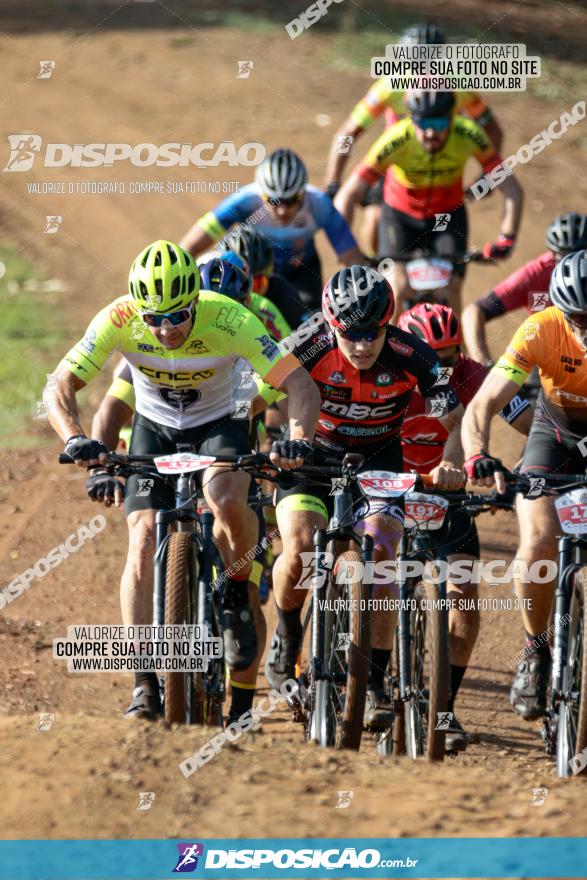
(31, 335)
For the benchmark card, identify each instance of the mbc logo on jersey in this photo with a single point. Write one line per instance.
(24, 149)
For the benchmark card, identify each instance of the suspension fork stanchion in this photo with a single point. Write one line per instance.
(566, 571)
(403, 633)
(205, 595)
(159, 564)
(321, 574)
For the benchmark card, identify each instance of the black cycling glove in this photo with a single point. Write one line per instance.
(80, 446)
(482, 465)
(293, 449)
(332, 189)
(102, 486)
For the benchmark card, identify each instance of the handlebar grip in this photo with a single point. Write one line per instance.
(427, 479)
(65, 459)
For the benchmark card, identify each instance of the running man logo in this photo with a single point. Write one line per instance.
(244, 69)
(241, 409)
(536, 487)
(344, 144)
(443, 375)
(441, 222)
(46, 69)
(23, 151)
(338, 485)
(145, 487)
(537, 302)
(343, 641)
(344, 800)
(52, 223)
(46, 719)
(436, 407)
(530, 331)
(137, 331)
(443, 720)
(146, 799)
(539, 795)
(187, 861)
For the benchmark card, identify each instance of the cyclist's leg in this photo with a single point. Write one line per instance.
(298, 515)
(399, 236)
(371, 216)
(307, 280)
(136, 585)
(451, 244)
(538, 530)
(236, 531)
(285, 296)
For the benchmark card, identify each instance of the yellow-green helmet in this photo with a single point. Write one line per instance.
(164, 278)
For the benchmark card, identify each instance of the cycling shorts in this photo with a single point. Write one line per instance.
(223, 437)
(307, 280)
(401, 234)
(550, 451)
(374, 195)
(457, 534)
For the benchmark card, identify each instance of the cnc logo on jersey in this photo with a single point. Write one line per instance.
(180, 376)
(269, 348)
(187, 860)
(180, 399)
(23, 151)
(25, 147)
(196, 346)
(337, 377)
(383, 379)
(144, 346)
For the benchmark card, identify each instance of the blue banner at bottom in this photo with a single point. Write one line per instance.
(293, 857)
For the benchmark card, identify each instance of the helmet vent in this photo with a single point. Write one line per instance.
(172, 254)
(175, 287)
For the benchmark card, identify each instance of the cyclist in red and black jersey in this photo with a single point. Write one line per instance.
(366, 371)
(423, 441)
(527, 287)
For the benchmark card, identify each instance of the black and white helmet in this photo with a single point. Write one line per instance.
(567, 233)
(422, 34)
(568, 284)
(282, 175)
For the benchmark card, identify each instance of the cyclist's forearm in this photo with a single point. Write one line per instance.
(475, 429)
(196, 240)
(348, 195)
(494, 133)
(61, 403)
(352, 257)
(112, 415)
(513, 202)
(473, 323)
(303, 406)
(453, 448)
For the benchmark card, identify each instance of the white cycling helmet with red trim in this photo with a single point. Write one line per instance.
(357, 298)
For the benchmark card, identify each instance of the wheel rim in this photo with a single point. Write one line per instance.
(568, 722)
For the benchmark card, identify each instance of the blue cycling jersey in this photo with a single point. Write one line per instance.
(294, 244)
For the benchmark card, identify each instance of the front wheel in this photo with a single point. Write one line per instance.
(340, 698)
(572, 721)
(423, 712)
(179, 697)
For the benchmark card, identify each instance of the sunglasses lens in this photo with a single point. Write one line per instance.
(437, 123)
(174, 318)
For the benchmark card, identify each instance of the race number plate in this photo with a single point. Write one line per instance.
(572, 512)
(429, 274)
(425, 511)
(183, 463)
(386, 484)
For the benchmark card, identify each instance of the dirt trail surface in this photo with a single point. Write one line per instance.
(82, 777)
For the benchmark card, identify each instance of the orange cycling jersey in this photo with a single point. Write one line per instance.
(546, 340)
(382, 98)
(421, 183)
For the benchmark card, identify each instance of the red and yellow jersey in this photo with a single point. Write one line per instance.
(545, 340)
(381, 98)
(421, 183)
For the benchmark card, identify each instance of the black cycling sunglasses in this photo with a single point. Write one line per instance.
(155, 319)
(358, 335)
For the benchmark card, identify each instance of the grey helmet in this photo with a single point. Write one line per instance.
(567, 233)
(281, 175)
(568, 284)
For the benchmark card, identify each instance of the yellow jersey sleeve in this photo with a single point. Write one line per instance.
(379, 97)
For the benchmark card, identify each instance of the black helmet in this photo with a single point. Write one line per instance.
(254, 248)
(225, 277)
(357, 298)
(420, 34)
(425, 104)
(568, 284)
(281, 175)
(567, 233)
